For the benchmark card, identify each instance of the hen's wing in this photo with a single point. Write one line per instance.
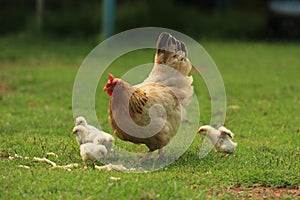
(154, 116)
(168, 112)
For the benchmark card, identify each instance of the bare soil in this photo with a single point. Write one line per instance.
(257, 192)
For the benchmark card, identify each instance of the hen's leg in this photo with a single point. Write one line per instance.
(146, 156)
(85, 167)
(104, 159)
(160, 153)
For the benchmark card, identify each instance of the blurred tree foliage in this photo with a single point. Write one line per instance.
(206, 18)
(13, 16)
(198, 18)
(73, 17)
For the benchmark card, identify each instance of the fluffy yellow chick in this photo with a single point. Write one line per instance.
(80, 120)
(220, 138)
(81, 133)
(93, 134)
(92, 152)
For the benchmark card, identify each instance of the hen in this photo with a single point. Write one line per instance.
(150, 113)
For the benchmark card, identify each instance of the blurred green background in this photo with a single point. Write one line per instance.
(43, 43)
(201, 19)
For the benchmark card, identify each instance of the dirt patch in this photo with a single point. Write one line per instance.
(257, 192)
(5, 88)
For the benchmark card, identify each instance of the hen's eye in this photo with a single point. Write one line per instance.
(119, 85)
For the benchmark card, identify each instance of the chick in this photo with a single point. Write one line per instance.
(82, 121)
(220, 138)
(81, 132)
(95, 135)
(83, 135)
(105, 139)
(92, 152)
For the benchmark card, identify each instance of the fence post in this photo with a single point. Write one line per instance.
(40, 14)
(108, 17)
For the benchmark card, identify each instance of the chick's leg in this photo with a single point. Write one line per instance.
(225, 155)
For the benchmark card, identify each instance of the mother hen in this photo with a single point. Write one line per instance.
(150, 113)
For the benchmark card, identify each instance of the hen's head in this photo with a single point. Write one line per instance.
(111, 84)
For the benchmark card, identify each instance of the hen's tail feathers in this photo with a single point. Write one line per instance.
(168, 43)
(173, 53)
(172, 68)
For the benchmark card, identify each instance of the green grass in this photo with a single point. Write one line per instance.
(36, 81)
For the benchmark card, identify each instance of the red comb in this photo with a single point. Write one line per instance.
(111, 77)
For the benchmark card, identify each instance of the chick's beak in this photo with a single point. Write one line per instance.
(201, 131)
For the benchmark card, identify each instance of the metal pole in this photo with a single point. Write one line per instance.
(108, 17)
(40, 13)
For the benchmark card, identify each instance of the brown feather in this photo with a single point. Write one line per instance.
(141, 100)
(172, 52)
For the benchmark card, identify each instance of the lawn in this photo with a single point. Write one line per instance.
(263, 105)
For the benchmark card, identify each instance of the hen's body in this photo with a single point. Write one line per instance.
(140, 102)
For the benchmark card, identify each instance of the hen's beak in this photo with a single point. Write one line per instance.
(73, 132)
(105, 89)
